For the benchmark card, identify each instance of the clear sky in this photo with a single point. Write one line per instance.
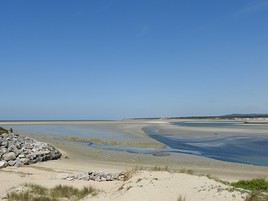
(113, 59)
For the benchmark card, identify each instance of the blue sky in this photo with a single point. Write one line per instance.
(103, 59)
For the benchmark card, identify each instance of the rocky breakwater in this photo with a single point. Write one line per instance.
(16, 150)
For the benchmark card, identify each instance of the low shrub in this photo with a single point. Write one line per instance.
(252, 185)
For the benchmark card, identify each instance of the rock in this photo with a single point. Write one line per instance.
(18, 145)
(69, 179)
(4, 144)
(18, 163)
(25, 161)
(96, 176)
(109, 177)
(21, 156)
(9, 156)
(18, 150)
(3, 164)
(3, 150)
(83, 176)
(14, 149)
(11, 163)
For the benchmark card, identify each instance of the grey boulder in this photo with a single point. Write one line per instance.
(9, 156)
(3, 164)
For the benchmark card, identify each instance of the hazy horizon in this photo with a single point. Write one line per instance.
(105, 59)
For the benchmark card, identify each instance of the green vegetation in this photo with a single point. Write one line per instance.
(2, 130)
(258, 188)
(33, 192)
(252, 185)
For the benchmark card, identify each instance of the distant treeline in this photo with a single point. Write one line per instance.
(228, 116)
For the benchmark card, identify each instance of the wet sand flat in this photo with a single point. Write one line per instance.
(132, 131)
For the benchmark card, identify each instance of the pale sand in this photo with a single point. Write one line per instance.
(164, 186)
(144, 185)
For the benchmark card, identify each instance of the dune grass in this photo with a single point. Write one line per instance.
(180, 198)
(166, 169)
(258, 188)
(252, 185)
(257, 196)
(33, 192)
(158, 168)
(130, 173)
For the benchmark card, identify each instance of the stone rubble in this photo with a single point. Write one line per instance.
(96, 176)
(16, 150)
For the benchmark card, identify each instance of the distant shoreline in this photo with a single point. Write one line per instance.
(53, 120)
(252, 116)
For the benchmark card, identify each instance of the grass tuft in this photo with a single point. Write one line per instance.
(33, 192)
(69, 191)
(157, 168)
(33, 188)
(180, 198)
(129, 174)
(187, 171)
(257, 196)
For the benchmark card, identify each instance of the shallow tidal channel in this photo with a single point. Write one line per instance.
(230, 147)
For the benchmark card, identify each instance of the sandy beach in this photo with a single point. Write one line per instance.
(182, 175)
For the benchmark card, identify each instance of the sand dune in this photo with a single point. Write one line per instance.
(143, 185)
